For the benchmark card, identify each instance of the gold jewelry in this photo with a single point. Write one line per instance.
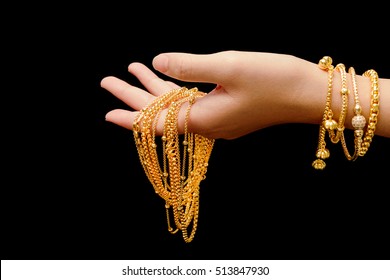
(174, 174)
(336, 129)
(327, 123)
(374, 111)
(358, 121)
(336, 136)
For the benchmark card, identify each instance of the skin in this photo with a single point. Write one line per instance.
(253, 90)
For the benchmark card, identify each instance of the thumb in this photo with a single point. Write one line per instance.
(209, 68)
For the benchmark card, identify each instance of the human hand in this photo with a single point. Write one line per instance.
(253, 90)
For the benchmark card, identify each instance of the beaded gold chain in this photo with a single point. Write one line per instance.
(174, 173)
(336, 129)
(338, 133)
(358, 121)
(328, 123)
(374, 111)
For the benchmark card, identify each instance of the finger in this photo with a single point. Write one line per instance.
(154, 84)
(122, 118)
(211, 68)
(125, 118)
(131, 95)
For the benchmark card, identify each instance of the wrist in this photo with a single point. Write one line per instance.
(305, 96)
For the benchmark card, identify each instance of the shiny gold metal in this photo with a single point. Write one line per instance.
(334, 128)
(176, 170)
(358, 121)
(374, 110)
(327, 122)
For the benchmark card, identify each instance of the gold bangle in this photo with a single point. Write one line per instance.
(374, 111)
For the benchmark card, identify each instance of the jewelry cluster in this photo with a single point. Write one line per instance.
(177, 169)
(335, 129)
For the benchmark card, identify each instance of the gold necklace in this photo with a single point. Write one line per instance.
(176, 171)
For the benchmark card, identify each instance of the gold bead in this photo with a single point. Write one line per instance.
(330, 124)
(358, 122)
(357, 109)
(325, 62)
(359, 133)
(344, 91)
(323, 153)
(319, 164)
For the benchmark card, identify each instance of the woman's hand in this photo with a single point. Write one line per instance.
(252, 91)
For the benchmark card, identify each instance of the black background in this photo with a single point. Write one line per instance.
(73, 186)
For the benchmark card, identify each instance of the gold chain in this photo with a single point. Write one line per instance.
(174, 173)
(358, 121)
(336, 134)
(327, 123)
(374, 111)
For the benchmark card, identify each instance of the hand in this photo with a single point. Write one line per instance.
(253, 90)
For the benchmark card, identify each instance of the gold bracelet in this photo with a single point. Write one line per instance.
(336, 134)
(374, 111)
(174, 174)
(336, 129)
(327, 122)
(358, 121)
